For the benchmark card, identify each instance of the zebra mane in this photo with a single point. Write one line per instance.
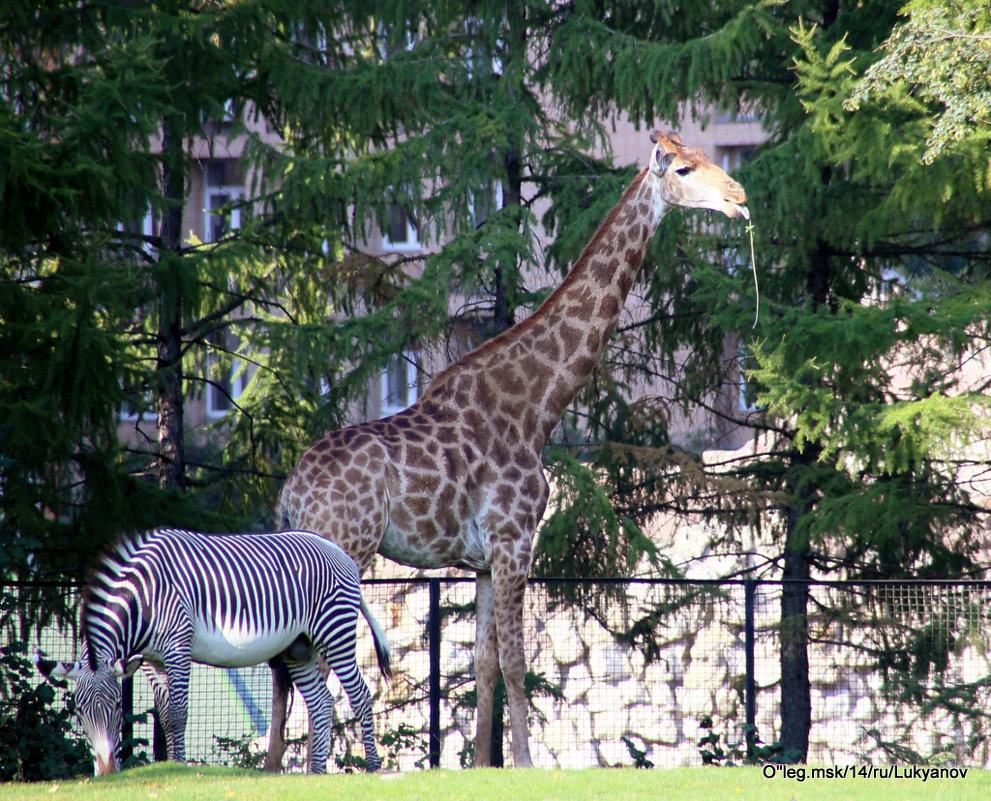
(107, 571)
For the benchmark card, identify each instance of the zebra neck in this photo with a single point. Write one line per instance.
(112, 637)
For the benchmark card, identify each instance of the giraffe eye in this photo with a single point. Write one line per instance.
(683, 170)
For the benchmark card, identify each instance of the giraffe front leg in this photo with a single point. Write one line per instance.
(486, 668)
(509, 577)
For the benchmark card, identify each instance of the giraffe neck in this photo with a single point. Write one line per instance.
(527, 376)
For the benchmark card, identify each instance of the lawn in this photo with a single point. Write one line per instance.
(191, 783)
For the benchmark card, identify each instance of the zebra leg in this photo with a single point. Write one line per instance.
(155, 673)
(177, 704)
(340, 656)
(320, 706)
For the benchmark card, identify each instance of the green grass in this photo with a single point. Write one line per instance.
(193, 783)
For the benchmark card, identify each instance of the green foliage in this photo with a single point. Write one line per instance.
(583, 535)
(638, 755)
(36, 738)
(873, 275)
(404, 739)
(238, 752)
(935, 66)
(748, 751)
(376, 104)
(869, 198)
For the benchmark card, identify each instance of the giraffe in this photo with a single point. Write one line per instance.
(456, 479)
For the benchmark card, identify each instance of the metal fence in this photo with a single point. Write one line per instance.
(636, 672)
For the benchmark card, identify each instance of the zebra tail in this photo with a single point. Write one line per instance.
(381, 643)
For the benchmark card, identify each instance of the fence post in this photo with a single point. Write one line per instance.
(750, 685)
(433, 637)
(127, 708)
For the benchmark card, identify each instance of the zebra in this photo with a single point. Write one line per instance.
(168, 597)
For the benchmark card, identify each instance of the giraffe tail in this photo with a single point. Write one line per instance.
(382, 651)
(282, 521)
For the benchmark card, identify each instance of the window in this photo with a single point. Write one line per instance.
(485, 203)
(484, 58)
(735, 115)
(224, 387)
(221, 194)
(401, 233)
(221, 117)
(746, 391)
(394, 41)
(226, 380)
(138, 405)
(138, 233)
(398, 384)
(731, 157)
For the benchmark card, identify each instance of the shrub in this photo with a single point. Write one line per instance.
(37, 742)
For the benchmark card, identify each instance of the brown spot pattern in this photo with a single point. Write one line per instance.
(457, 479)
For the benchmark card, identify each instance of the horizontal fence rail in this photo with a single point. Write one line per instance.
(640, 672)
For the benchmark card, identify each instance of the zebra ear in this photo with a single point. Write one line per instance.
(55, 671)
(45, 666)
(125, 670)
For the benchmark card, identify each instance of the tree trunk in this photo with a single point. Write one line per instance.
(171, 446)
(503, 315)
(796, 693)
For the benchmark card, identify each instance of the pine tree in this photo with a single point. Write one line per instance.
(870, 259)
(379, 106)
(416, 105)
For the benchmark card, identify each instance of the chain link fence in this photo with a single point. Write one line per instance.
(663, 673)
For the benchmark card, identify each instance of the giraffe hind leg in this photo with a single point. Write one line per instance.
(281, 689)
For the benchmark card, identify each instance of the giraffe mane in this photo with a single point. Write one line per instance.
(519, 329)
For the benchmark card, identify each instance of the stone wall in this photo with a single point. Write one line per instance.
(607, 689)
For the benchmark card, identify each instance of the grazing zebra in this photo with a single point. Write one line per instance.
(166, 598)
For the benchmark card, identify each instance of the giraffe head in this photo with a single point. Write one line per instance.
(689, 179)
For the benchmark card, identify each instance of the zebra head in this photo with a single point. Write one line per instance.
(98, 703)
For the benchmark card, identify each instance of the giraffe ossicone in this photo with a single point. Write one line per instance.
(456, 479)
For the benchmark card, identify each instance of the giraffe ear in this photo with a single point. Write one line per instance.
(662, 160)
(669, 141)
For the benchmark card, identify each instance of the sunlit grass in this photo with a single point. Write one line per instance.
(192, 783)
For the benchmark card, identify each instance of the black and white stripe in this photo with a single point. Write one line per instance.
(173, 597)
